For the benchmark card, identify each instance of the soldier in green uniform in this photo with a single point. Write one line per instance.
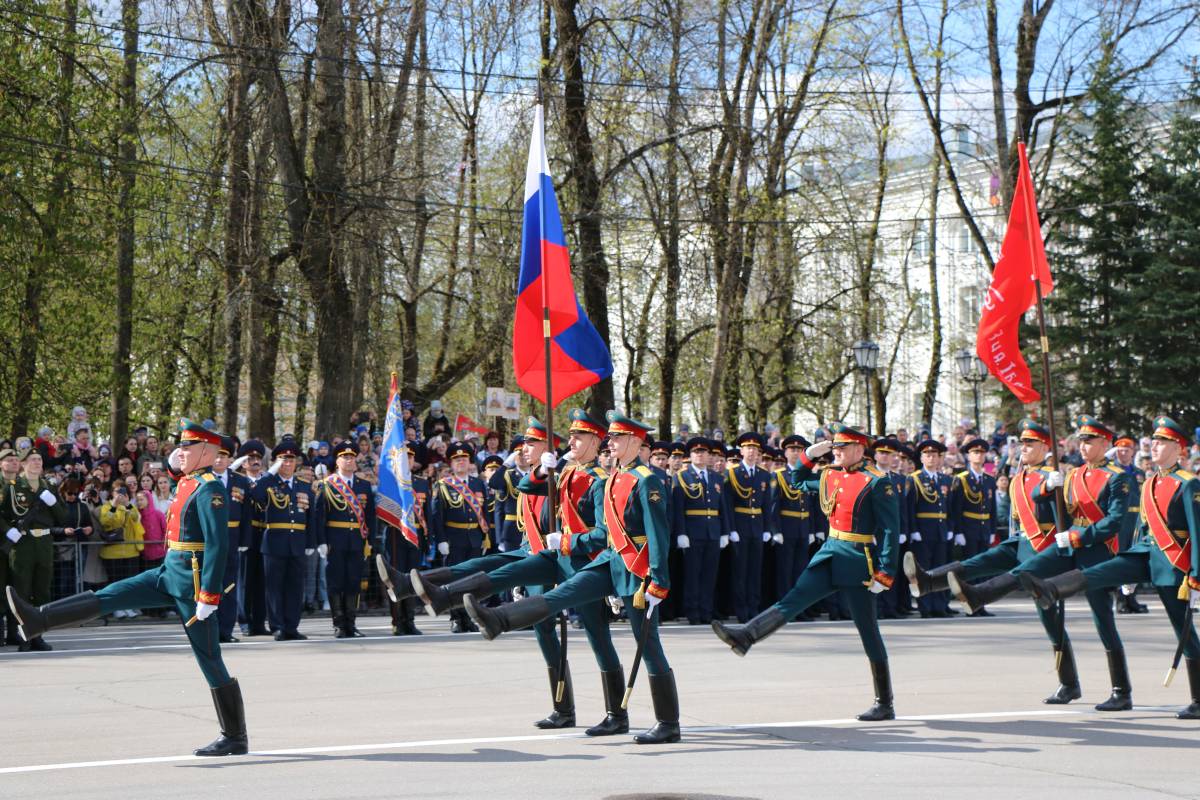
(29, 510)
(552, 558)
(1123, 449)
(631, 538)
(1165, 553)
(858, 559)
(1097, 495)
(190, 580)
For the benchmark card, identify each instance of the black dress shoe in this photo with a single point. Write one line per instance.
(297, 636)
(926, 615)
(228, 639)
(281, 637)
(938, 614)
(259, 632)
(951, 612)
(983, 612)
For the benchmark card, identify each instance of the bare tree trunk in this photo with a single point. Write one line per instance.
(935, 302)
(265, 328)
(304, 363)
(127, 176)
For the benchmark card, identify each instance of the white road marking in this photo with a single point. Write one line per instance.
(410, 745)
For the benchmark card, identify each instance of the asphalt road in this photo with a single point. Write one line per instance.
(115, 711)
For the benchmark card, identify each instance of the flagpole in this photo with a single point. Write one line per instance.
(551, 490)
(1060, 512)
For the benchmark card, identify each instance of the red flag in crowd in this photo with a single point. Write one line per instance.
(1013, 292)
(464, 425)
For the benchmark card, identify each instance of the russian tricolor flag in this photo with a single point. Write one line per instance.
(578, 356)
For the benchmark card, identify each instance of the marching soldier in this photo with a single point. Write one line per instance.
(284, 504)
(858, 559)
(1097, 495)
(238, 490)
(552, 557)
(747, 496)
(928, 510)
(1123, 449)
(632, 565)
(789, 516)
(252, 582)
(190, 579)
(30, 509)
(972, 507)
(343, 517)
(1166, 552)
(701, 528)
(458, 518)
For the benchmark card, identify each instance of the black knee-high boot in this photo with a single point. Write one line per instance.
(666, 710)
(563, 715)
(231, 714)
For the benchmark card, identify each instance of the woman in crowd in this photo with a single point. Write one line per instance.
(162, 494)
(77, 526)
(121, 530)
(368, 464)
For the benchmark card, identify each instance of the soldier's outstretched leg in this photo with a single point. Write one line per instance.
(508, 617)
(741, 637)
(448, 597)
(616, 719)
(563, 715)
(813, 584)
(1048, 592)
(397, 582)
(924, 582)
(978, 595)
(33, 621)
(666, 710)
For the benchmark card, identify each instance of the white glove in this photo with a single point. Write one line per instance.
(204, 611)
(236, 464)
(320, 472)
(778, 538)
(916, 537)
(1194, 598)
(651, 602)
(815, 451)
(820, 535)
(323, 550)
(275, 465)
(1054, 480)
(549, 461)
(766, 536)
(733, 537)
(569, 456)
(243, 548)
(724, 542)
(876, 587)
(444, 548)
(949, 535)
(1128, 588)
(13, 535)
(510, 459)
(903, 538)
(1063, 540)
(173, 459)
(1111, 453)
(682, 541)
(615, 603)
(308, 551)
(960, 539)
(502, 547)
(554, 540)
(47, 497)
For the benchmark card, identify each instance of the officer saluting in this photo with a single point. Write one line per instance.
(343, 517)
(747, 496)
(285, 506)
(190, 579)
(858, 559)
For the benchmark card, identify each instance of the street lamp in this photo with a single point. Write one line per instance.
(974, 371)
(866, 360)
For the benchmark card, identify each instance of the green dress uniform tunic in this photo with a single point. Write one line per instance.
(193, 571)
(31, 561)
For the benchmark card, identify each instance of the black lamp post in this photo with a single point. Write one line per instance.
(866, 360)
(974, 371)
